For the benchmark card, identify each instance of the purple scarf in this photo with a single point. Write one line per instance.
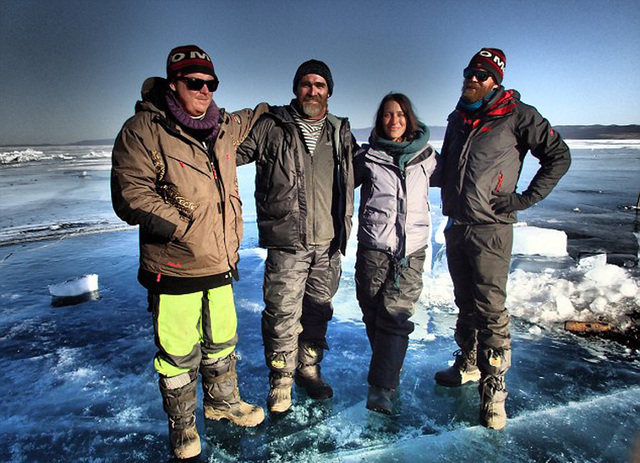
(205, 129)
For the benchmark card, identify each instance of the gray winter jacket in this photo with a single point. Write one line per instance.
(394, 214)
(275, 144)
(483, 151)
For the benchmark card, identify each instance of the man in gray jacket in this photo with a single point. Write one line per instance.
(487, 138)
(304, 201)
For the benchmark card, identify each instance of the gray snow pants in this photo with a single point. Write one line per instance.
(298, 288)
(387, 294)
(478, 257)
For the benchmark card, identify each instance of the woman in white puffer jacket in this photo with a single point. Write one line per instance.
(393, 171)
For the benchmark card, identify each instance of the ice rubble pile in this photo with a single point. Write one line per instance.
(559, 289)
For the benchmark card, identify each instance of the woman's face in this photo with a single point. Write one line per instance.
(394, 121)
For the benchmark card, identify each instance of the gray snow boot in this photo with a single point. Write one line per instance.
(279, 399)
(463, 370)
(492, 408)
(179, 402)
(221, 395)
(308, 373)
(379, 400)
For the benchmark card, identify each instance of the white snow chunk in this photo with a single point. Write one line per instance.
(75, 287)
(528, 240)
(591, 262)
(535, 330)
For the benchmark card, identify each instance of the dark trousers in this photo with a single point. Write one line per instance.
(298, 288)
(478, 257)
(387, 292)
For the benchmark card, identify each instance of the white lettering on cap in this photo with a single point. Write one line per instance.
(196, 54)
(499, 62)
(495, 58)
(178, 57)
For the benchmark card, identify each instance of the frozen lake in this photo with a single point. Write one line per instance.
(79, 385)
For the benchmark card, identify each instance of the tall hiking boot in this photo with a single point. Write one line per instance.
(279, 398)
(308, 373)
(222, 397)
(179, 402)
(492, 408)
(463, 370)
(379, 399)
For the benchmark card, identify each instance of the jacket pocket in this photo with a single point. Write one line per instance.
(236, 221)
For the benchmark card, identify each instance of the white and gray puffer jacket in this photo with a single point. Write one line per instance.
(394, 215)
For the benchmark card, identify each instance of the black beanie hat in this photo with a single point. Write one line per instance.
(491, 60)
(188, 59)
(313, 66)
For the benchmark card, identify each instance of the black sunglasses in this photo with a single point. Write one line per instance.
(196, 84)
(468, 73)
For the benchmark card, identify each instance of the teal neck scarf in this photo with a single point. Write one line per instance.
(402, 151)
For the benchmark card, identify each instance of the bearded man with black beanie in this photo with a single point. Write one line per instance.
(174, 175)
(487, 138)
(304, 202)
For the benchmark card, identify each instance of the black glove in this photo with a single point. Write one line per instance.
(503, 203)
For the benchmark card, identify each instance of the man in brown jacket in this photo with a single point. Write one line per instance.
(174, 175)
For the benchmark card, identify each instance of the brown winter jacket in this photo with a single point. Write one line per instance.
(184, 199)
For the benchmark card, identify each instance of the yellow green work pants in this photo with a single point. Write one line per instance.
(190, 326)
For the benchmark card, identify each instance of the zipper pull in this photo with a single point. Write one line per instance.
(500, 177)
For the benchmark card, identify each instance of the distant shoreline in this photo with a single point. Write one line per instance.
(568, 132)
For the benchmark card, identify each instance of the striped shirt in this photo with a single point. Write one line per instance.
(311, 130)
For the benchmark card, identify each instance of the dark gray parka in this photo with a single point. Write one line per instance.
(484, 151)
(276, 145)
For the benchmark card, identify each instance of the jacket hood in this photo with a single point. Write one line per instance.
(502, 103)
(152, 94)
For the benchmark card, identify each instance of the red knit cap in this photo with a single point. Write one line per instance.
(491, 60)
(188, 59)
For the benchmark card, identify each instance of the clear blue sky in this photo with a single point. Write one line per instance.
(72, 69)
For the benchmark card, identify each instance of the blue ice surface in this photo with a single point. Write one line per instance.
(78, 382)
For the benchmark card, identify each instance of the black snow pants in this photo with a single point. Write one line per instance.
(387, 292)
(298, 288)
(478, 257)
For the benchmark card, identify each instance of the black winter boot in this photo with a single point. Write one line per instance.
(221, 395)
(463, 370)
(308, 373)
(179, 402)
(379, 400)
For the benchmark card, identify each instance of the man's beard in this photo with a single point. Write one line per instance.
(473, 92)
(313, 107)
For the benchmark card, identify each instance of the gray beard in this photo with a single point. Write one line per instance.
(312, 108)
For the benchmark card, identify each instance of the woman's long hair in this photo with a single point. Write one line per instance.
(410, 116)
